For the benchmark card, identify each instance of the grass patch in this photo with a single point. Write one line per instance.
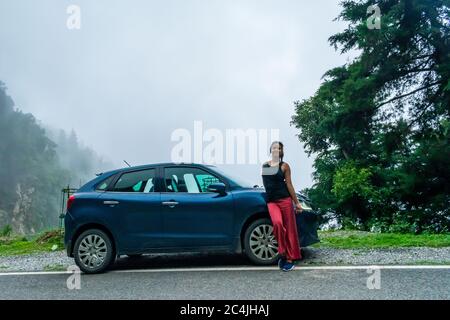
(343, 239)
(45, 242)
(54, 267)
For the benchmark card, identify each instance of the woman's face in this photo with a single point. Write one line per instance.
(277, 150)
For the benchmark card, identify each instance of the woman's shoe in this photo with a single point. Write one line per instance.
(288, 266)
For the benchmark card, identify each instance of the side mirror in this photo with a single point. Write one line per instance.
(217, 188)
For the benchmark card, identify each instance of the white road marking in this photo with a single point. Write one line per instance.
(207, 269)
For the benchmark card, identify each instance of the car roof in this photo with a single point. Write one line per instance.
(162, 164)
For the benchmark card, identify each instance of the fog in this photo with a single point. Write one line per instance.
(136, 71)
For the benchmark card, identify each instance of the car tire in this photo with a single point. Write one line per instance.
(260, 245)
(93, 251)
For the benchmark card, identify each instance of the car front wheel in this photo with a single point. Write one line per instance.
(93, 251)
(260, 244)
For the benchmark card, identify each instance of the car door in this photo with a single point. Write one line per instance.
(135, 203)
(192, 216)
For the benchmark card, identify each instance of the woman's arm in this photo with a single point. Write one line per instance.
(290, 187)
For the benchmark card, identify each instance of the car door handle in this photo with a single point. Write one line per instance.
(171, 204)
(110, 202)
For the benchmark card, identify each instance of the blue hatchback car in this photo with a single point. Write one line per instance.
(170, 207)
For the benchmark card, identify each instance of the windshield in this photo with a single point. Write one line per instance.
(234, 177)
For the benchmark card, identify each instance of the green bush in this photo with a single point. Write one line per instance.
(6, 231)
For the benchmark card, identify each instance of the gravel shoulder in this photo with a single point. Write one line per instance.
(56, 261)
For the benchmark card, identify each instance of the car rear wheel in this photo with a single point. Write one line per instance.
(93, 251)
(260, 244)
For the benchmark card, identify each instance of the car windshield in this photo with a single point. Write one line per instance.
(234, 177)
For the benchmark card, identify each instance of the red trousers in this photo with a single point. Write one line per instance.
(284, 223)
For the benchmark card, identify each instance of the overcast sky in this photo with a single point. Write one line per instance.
(138, 70)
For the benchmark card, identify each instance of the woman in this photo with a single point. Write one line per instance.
(281, 196)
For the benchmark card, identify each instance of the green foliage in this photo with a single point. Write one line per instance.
(360, 239)
(350, 181)
(379, 125)
(6, 231)
(44, 242)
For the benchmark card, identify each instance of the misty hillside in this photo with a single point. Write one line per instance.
(35, 163)
(81, 161)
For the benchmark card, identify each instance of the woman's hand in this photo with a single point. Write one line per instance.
(298, 208)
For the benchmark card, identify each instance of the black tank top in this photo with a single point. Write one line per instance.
(274, 183)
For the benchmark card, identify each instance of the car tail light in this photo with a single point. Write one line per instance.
(70, 201)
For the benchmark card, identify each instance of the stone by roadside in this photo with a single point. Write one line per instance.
(313, 256)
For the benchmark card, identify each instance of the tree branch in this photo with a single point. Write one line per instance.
(407, 94)
(418, 116)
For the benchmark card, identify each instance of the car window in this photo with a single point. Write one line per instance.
(190, 180)
(137, 181)
(104, 184)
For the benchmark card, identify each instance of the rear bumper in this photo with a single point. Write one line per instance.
(69, 228)
(237, 246)
(69, 250)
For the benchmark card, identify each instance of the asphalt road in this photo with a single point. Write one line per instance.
(232, 280)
